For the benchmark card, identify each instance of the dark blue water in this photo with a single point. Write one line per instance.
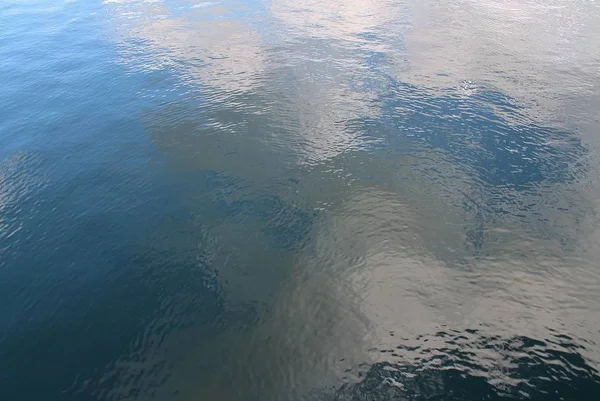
(299, 200)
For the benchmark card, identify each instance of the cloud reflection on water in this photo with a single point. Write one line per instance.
(379, 135)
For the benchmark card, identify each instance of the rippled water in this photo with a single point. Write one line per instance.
(299, 200)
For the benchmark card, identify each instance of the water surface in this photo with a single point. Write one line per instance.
(299, 200)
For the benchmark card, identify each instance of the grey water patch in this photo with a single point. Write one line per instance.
(476, 236)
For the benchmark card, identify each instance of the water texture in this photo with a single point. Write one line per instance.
(299, 200)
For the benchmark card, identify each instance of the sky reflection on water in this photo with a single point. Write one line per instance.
(265, 200)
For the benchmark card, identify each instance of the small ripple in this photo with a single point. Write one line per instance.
(454, 365)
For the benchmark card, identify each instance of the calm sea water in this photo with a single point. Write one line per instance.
(299, 200)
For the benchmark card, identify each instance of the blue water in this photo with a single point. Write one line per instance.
(299, 200)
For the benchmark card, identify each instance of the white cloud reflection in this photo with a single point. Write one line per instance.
(522, 48)
(351, 20)
(195, 39)
(385, 256)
